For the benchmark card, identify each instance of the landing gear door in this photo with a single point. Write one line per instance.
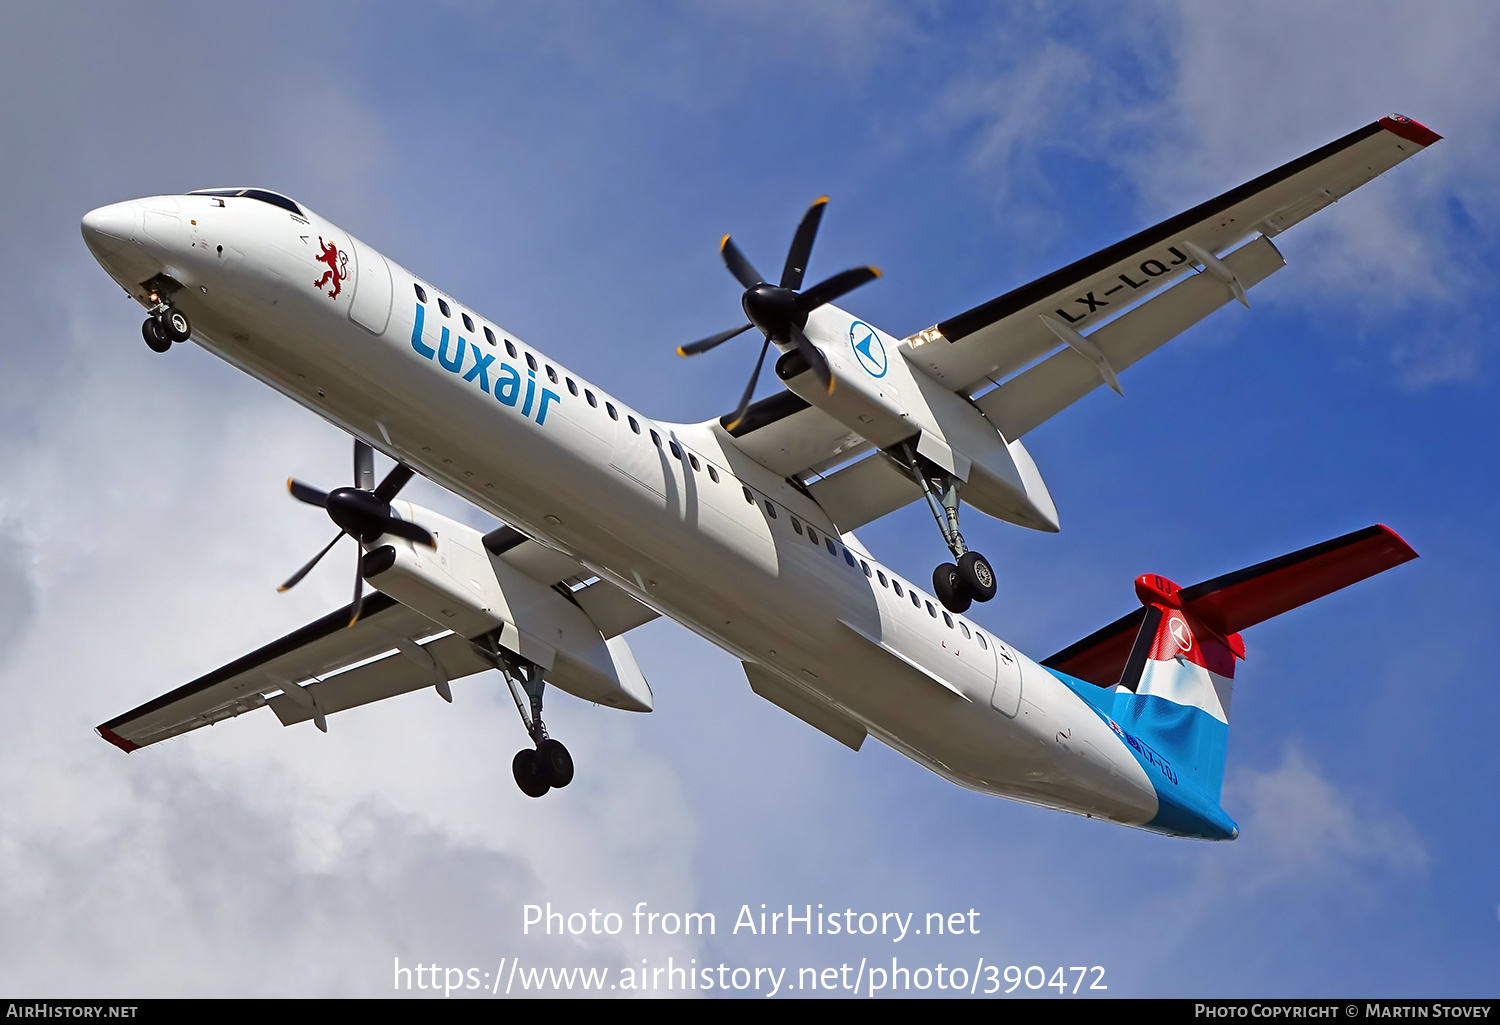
(1006, 698)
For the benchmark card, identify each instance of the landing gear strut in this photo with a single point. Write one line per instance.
(547, 765)
(969, 578)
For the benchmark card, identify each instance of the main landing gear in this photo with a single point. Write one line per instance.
(969, 578)
(548, 764)
(165, 326)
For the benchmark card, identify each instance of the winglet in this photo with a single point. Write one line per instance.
(114, 738)
(1412, 131)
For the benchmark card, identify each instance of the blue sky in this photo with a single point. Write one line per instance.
(568, 170)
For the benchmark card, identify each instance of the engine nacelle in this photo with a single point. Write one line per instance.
(462, 586)
(879, 396)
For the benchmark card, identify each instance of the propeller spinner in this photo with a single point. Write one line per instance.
(780, 311)
(363, 512)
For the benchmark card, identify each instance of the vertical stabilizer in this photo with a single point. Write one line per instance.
(1163, 675)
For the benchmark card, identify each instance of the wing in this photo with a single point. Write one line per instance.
(324, 667)
(995, 340)
(328, 666)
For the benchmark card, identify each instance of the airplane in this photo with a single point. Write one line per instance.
(740, 528)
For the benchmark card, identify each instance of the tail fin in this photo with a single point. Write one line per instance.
(1168, 693)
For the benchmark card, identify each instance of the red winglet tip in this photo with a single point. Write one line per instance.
(114, 738)
(1413, 131)
(1412, 552)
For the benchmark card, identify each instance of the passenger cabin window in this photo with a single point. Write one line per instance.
(896, 585)
(748, 496)
(880, 575)
(693, 460)
(849, 558)
(590, 396)
(531, 361)
(831, 549)
(552, 375)
(676, 449)
(489, 335)
(982, 642)
(770, 509)
(964, 628)
(713, 474)
(865, 566)
(468, 322)
(812, 535)
(948, 619)
(443, 305)
(931, 611)
(421, 292)
(917, 602)
(656, 439)
(614, 414)
(510, 348)
(796, 525)
(573, 388)
(633, 425)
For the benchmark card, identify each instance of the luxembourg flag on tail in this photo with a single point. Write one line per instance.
(1163, 676)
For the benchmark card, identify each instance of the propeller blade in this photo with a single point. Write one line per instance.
(802, 243)
(828, 291)
(739, 411)
(410, 531)
(297, 576)
(359, 593)
(738, 265)
(711, 341)
(307, 493)
(364, 466)
(814, 357)
(394, 482)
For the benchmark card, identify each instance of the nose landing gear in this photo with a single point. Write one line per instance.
(166, 324)
(164, 327)
(970, 577)
(547, 765)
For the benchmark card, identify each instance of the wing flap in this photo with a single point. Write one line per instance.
(320, 648)
(998, 338)
(863, 492)
(1046, 389)
(453, 657)
(789, 437)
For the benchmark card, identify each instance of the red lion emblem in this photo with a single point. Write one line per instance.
(338, 268)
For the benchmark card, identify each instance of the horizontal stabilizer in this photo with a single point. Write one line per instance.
(1237, 601)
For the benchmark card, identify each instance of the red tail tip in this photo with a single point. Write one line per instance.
(1152, 589)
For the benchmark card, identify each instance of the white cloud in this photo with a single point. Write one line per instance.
(147, 529)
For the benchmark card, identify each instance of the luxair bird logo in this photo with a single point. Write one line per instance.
(338, 268)
(867, 348)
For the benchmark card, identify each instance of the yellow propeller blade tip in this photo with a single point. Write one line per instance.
(289, 484)
(731, 427)
(723, 242)
(282, 589)
(820, 200)
(680, 352)
(876, 272)
(830, 386)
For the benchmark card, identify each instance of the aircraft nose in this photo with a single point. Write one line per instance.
(109, 228)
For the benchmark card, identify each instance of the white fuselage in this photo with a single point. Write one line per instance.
(721, 556)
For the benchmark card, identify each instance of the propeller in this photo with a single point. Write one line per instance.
(780, 311)
(363, 512)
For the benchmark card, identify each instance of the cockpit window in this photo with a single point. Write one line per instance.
(275, 199)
